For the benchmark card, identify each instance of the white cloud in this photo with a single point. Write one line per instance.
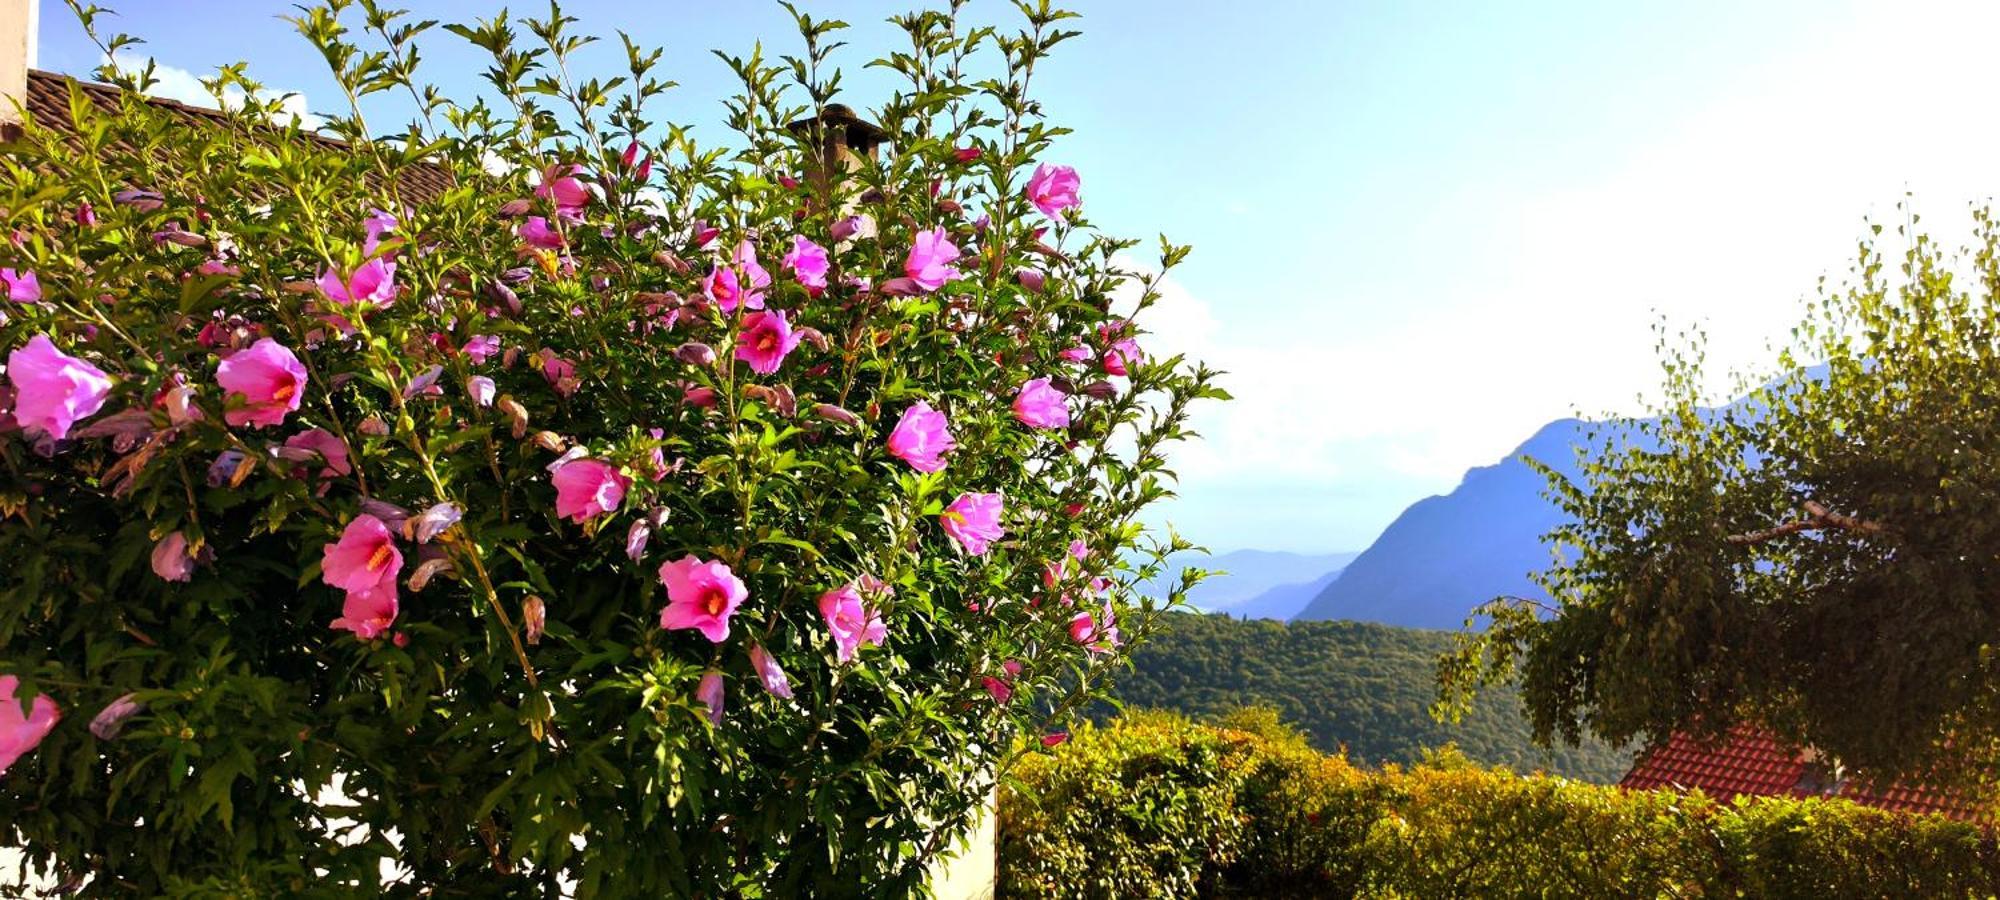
(174, 83)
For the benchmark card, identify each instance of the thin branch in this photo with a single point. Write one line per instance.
(1818, 518)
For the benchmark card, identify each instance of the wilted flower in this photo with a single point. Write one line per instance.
(171, 559)
(433, 521)
(834, 413)
(534, 618)
(480, 389)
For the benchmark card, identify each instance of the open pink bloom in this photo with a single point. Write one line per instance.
(850, 621)
(929, 264)
(536, 232)
(973, 520)
(1040, 405)
(364, 559)
(171, 559)
(19, 734)
(702, 596)
(809, 263)
(372, 285)
(329, 447)
(765, 341)
(709, 692)
(1095, 636)
(24, 287)
(378, 225)
(268, 377)
(1053, 189)
(587, 488)
(481, 347)
(741, 284)
(368, 614)
(921, 438)
(53, 390)
(1001, 690)
(768, 672)
(561, 187)
(1122, 356)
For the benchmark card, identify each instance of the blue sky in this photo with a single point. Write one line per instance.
(1421, 230)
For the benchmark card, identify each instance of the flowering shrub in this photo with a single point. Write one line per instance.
(533, 500)
(1157, 806)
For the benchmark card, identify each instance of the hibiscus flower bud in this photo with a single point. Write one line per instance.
(1100, 390)
(85, 216)
(514, 209)
(814, 337)
(510, 357)
(516, 412)
(786, 402)
(636, 538)
(111, 720)
(143, 201)
(698, 395)
(835, 414)
(427, 570)
(1053, 739)
(550, 441)
(1032, 279)
(672, 261)
(696, 354)
(373, 426)
(534, 617)
(517, 276)
(505, 296)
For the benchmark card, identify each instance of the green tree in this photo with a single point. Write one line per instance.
(1820, 558)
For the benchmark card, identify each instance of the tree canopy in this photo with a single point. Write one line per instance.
(1819, 557)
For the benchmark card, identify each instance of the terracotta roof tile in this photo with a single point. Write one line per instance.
(48, 103)
(1749, 761)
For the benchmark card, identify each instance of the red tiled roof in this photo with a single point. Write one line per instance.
(1749, 761)
(48, 103)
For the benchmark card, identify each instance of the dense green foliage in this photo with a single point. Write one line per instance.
(1823, 557)
(1155, 806)
(1354, 685)
(496, 537)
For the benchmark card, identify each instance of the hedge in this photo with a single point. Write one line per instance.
(1156, 805)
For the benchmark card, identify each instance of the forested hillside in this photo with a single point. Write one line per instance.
(1356, 684)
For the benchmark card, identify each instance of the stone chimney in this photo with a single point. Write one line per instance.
(846, 142)
(17, 55)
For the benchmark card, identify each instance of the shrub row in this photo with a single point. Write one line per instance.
(1155, 805)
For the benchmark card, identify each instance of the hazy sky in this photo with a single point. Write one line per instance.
(1421, 230)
